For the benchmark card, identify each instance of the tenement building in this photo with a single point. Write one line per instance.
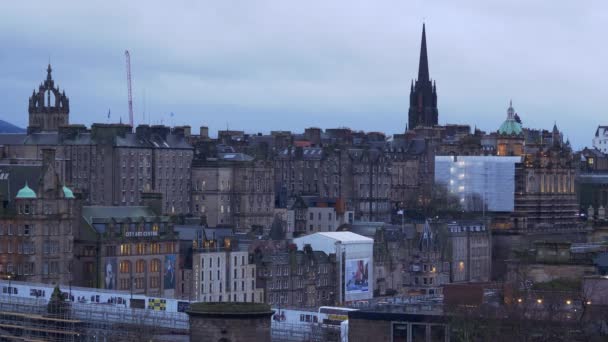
(223, 273)
(37, 226)
(233, 189)
(297, 278)
(127, 248)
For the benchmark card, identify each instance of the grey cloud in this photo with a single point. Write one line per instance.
(266, 65)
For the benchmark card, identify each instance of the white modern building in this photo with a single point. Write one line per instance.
(355, 258)
(481, 182)
(600, 140)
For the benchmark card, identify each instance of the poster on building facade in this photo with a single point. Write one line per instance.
(169, 277)
(356, 276)
(109, 274)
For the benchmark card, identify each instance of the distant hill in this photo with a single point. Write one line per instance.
(6, 127)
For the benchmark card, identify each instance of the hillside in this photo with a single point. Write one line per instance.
(6, 127)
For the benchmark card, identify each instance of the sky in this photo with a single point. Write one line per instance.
(287, 65)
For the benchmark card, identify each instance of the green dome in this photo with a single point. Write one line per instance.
(26, 192)
(67, 193)
(510, 127)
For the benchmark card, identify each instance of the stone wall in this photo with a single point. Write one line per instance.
(230, 328)
(369, 330)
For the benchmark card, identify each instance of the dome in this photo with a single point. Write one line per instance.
(26, 192)
(67, 193)
(510, 127)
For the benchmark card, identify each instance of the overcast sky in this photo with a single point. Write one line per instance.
(286, 65)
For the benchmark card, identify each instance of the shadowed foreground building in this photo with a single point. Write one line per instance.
(230, 322)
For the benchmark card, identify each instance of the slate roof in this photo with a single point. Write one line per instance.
(14, 177)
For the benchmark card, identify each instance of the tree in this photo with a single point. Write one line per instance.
(57, 305)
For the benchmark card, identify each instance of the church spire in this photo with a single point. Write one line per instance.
(48, 72)
(423, 66)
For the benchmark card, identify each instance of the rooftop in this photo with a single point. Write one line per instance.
(347, 237)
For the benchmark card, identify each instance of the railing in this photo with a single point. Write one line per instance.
(100, 313)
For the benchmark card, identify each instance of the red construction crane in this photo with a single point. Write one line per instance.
(128, 58)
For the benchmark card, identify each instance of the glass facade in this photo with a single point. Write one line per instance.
(479, 181)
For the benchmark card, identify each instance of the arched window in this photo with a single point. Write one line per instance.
(155, 265)
(125, 266)
(140, 266)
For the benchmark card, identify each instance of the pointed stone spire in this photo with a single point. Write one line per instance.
(48, 72)
(423, 66)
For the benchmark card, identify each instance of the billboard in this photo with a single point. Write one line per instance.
(357, 276)
(169, 278)
(109, 274)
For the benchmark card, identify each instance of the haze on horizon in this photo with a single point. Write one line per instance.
(271, 65)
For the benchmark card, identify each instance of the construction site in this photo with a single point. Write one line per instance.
(24, 319)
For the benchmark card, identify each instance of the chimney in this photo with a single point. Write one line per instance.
(49, 181)
(204, 132)
(143, 132)
(152, 200)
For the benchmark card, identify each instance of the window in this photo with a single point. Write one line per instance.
(140, 266)
(155, 265)
(125, 266)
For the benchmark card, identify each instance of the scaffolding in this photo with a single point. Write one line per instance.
(25, 319)
(314, 332)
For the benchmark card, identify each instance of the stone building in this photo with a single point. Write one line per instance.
(471, 252)
(223, 322)
(222, 273)
(297, 171)
(412, 173)
(37, 227)
(108, 164)
(545, 196)
(233, 189)
(429, 268)
(371, 185)
(48, 108)
(127, 248)
(312, 214)
(292, 278)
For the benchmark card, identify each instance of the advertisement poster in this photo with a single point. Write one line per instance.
(109, 274)
(169, 278)
(357, 280)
